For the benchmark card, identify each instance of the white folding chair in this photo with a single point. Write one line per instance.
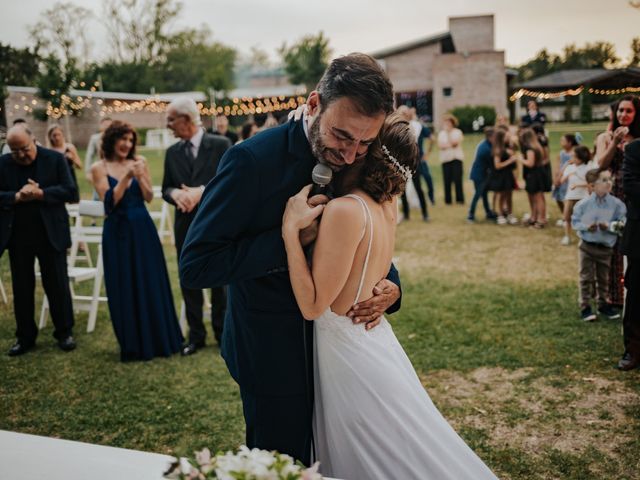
(183, 311)
(87, 236)
(74, 256)
(165, 226)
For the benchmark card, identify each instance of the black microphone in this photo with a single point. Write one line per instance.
(321, 176)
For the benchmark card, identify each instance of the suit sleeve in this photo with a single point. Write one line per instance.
(65, 191)
(394, 276)
(220, 247)
(168, 183)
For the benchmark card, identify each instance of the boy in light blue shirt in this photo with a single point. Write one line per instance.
(597, 219)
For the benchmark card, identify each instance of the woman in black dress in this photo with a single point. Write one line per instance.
(536, 178)
(501, 179)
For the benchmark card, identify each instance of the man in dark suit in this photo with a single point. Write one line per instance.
(222, 128)
(533, 115)
(630, 246)
(236, 239)
(189, 165)
(35, 183)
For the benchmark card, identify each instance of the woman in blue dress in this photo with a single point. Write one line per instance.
(135, 272)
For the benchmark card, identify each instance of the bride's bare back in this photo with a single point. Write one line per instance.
(342, 246)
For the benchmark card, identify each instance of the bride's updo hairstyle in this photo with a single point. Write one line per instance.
(391, 161)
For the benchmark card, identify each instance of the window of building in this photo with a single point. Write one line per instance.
(447, 91)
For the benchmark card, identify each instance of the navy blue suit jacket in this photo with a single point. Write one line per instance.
(236, 240)
(52, 174)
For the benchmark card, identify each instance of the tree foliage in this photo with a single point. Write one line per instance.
(592, 55)
(306, 61)
(62, 31)
(634, 60)
(139, 31)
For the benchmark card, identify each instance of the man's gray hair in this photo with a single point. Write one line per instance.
(188, 107)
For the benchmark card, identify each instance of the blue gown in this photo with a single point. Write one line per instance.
(135, 273)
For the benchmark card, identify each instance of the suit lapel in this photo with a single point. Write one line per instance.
(205, 155)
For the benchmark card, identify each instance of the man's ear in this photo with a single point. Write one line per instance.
(313, 103)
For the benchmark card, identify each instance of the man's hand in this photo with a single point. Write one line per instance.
(603, 226)
(385, 294)
(194, 195)
(593, 227)
(182, 199)
(30, 191)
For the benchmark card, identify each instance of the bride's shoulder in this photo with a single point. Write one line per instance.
(344, 211)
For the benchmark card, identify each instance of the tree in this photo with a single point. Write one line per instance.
(634, 61)
(592, 55)
(195, 63)
(306, 61)
(61, 31)
(543, 63)
(139, 31)
(18, 66)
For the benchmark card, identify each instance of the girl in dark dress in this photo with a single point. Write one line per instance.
(135, 272)
(536, 178)
(501, 179)
(625, 127)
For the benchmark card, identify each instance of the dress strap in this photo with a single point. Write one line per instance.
(367, 219)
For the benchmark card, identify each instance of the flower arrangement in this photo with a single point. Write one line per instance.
(246, 464)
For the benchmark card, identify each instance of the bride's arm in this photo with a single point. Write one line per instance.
(340, 232)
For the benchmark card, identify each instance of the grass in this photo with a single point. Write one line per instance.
(489, 319)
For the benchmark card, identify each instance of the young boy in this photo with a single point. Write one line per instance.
(593, 219)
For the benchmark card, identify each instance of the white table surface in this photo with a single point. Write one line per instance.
(30, 457)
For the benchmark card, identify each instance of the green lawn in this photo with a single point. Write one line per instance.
(489, 319)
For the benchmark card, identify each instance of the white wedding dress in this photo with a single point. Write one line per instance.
(373, 420)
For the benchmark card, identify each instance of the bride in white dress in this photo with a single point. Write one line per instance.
(373, 420)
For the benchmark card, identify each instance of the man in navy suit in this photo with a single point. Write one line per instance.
(35, 183)
(236, 239)
(630, 246)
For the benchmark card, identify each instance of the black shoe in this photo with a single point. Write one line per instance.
(608, 311)
(190, 348)
(20, 348)
(587, 315)
(67, 344)
(628, 362)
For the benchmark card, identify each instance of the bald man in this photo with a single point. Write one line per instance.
(35, 183)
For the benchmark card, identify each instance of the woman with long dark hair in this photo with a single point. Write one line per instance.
(625, 127)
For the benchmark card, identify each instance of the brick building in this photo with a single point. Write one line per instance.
(456, 68)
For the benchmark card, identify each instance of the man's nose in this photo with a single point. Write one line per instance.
(349, 153)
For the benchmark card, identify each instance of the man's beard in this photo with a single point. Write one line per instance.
(322, 153)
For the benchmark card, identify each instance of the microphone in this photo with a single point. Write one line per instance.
(321, 176)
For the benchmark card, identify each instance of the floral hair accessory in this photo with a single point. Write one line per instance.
(404, 171)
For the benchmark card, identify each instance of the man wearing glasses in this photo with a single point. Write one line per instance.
(35, 183)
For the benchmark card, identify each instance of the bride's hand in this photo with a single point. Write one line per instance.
(299, 215)
(297, 113)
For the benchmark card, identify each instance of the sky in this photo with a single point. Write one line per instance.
(522, 27)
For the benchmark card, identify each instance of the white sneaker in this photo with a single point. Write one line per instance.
(501, 220)
(526, 217)
(512, 220)
(565, 240)
(560, 223)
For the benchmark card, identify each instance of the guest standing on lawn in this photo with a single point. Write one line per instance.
(451, 157)
(135, 272)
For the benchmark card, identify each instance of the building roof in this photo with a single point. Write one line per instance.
(387, 52)
(575, 78)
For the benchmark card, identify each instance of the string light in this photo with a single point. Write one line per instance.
(85, 100)
(523, 92)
